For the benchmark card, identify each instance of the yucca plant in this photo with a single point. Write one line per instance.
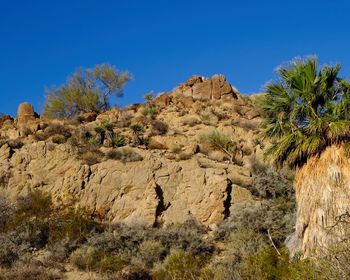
(306, 110)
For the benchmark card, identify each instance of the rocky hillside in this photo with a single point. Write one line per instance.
(187, 153)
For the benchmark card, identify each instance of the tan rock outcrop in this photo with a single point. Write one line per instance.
(25, 113)
(176, 179)
(205, 89)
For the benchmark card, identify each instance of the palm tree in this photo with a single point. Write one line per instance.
(308, 120)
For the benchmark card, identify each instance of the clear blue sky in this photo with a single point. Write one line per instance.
(162, 42)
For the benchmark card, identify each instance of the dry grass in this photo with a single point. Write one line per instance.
(322, 192)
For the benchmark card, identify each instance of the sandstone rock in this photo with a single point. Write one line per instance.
(164, 187)
(89, 117)
(5, 152)
(162, 100)
(4, 119)
(25, 113)
(194, 80)
(186, 101)
(202, 91)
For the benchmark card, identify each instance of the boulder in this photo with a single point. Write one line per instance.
(202, 91)
(25, 113)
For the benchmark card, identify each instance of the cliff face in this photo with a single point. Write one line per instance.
(174, 176)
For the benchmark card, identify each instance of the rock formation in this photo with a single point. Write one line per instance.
(25, 113)
(178, 178)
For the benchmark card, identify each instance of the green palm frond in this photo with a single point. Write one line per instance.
(307, 110)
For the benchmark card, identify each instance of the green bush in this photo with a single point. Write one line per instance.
(29, 272)
(72, 224)
(86, 91)
(149, 111)
(58, 139)
(159, 127)
(268, 264)
(219, 141)
(151, 252)
(118, 140)
(124, 155)
(179, 265)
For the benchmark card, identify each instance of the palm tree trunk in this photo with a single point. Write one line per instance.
(322, 188)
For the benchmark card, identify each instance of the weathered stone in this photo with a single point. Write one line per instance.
(162, 100)
(202, 91)
(168, 185)
(194, 80)
(89, 117)
(4, 119)
(25, 113)
(186, 101)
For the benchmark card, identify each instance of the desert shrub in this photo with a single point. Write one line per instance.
(6, 212)
(27, 131)
(151, 252)
(150, 111)
(159, 127)
(334, 260)
(274, 214)
(118, 140)
(191, 121)
(137, 128)
(246, 124)
(73, 141)
(219, 141)
(188, 236)
(58, 251)
(124, 155)
(58, 139)
(30, 216)
(208, 117)
(275, 217)
(80, 118)
(107, 125)
(122, 240)
(272, 184)
(35, 204)
(179, 265)
(130, 272)
(29, 272)
(88, 258)
(15, 143)
(124, 120)
(220, 113)
(90, 153)
(52, 129)
(107, 251)
(99, 129)
(240, 244)
(12, 248)
(111, 263)
(72, 224)
(84, 257)
(184, 156)
(5, 176)
(268, 264)
(153, 144)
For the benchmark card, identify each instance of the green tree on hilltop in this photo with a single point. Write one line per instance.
(87, 90)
